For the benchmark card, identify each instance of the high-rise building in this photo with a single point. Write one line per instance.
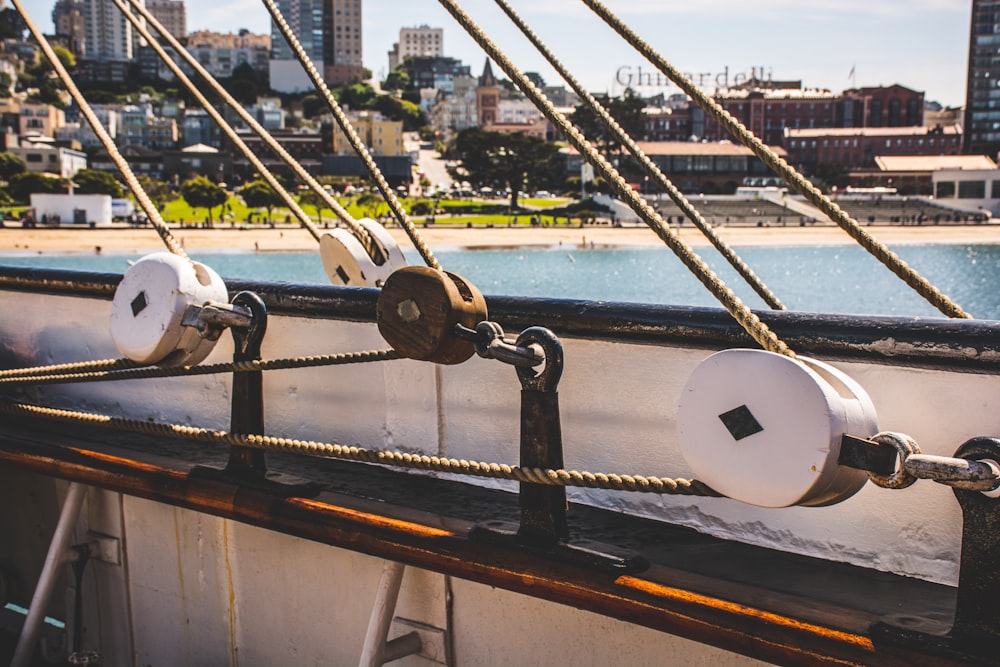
(342, 41)
(171, 14)
(982, 99)
(415, 42)
(330, 34)
(108, 34)
(67, 18)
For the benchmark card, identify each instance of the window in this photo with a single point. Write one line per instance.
(972, 189)
(945, 190)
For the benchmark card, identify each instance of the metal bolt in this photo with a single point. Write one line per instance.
(408, 311)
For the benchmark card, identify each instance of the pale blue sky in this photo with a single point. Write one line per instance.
(922, 44)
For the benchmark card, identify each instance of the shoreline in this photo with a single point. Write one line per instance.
(120, 240)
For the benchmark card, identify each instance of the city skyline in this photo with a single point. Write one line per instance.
(921, 44)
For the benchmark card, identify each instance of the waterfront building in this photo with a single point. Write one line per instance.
(857, 148)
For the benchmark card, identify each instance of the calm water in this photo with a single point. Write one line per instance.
(819, 279)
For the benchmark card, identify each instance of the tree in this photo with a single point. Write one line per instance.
(258, 194)
(246, 83)
(516, 162)
(12, 26)
(310, 197)
(95, 182)
(10, 165)
(158, 191)
(23, 185)
(370, 203)
(6, 82)
(398, 80)
(396, 108)
(199, 192)
(356, 96)
(626, 110)
(65, 56)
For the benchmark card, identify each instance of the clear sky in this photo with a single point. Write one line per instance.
(922, 44)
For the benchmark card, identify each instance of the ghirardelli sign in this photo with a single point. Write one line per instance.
(648, 77)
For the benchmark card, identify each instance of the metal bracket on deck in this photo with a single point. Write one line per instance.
(543, 527)
(974, 636)
(247, 466)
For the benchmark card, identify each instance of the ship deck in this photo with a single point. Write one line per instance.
(779, 607)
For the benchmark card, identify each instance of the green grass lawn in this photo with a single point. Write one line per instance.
(178, 211)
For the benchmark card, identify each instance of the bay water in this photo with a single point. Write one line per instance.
(832, 279)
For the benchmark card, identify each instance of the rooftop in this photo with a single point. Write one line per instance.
(923, 163)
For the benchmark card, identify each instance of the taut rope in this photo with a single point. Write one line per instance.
(106, 141)
(546, 476)
(739, 310)
(94, 372)
(352, 136)
(682, 202)
(783, 169)
(360, 232)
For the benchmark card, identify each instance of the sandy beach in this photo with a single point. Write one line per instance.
(126, 240)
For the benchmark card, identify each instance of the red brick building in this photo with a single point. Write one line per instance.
(767, 113)
(857, 148)
(884, 106)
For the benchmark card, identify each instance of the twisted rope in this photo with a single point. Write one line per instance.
(184, 371)
(210, 109)
(888, 258)
(747, 319)
(76, 367)
(106, 141)
(373, 249)
(544, 476)
(352, 136)
(648, 165)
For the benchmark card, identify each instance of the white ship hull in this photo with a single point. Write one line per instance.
(212, 573)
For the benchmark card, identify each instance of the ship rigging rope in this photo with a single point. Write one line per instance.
(544, 476)
(64, 376)
(75, 367)
(650, 167)
(372, 248)
(830, 208)
(352, 136)
(106, 141)
(739, 310)
(220, 121)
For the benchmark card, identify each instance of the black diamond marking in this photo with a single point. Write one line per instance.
(139, 304)
(346, 279)
(741, 422)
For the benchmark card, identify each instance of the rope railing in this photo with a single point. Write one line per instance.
(68, 374)
(73, 367)
(647, 164)
(752, 324)
(875, 247)
(544, 476)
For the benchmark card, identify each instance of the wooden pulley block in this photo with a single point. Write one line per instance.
(150, 303)
(418, 309)
(766, 429)
(347, 262)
